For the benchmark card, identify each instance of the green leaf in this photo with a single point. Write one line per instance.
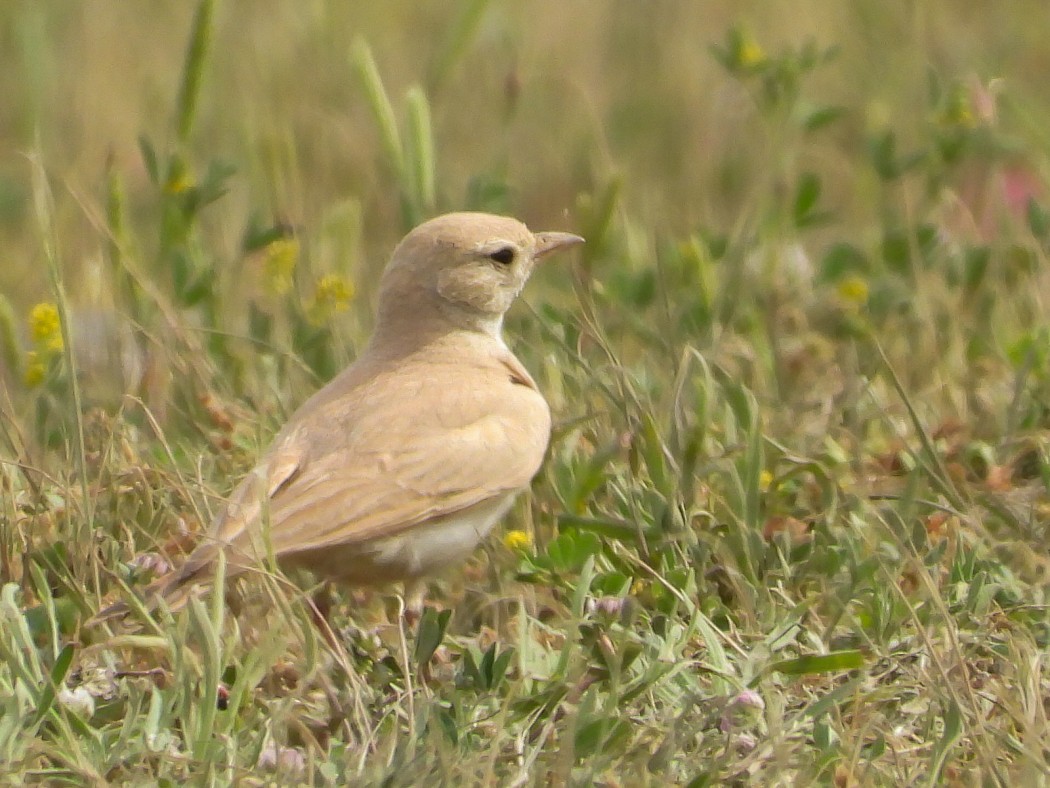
(821, 116)
(493, 667)
(58, 675)
(634, 288)
(260, 324)
(703, 780)
(611, 529)
(716, 653)
(597, 221)
(311, 343)
(952, 733)
(149, 158)
(895, 251)
(807, 193)
(53, 559)
(470, 669)
(820, 663)
(432, 627)
(653, 450)
(882, 149)
(181, 271)
(841, 259)
(499, 666)
(199, 289)
(488, 192)
(1038, 220)
(448, 724)
(590, 477)
(38, 618)
(568, 552)
(601, 733)
(212, 188)
(975, 266)
(257, 236)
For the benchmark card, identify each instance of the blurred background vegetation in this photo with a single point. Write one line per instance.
(800, 127)
(532, 104)
(800, 374)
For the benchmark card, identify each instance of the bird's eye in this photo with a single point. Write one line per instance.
(504, 255)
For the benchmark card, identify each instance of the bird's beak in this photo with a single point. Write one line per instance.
(552, 242)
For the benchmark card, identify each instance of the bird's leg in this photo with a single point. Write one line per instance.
(322, 601)
(415, 590)
(320, 605)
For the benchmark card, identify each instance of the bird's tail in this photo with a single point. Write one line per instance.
(174, 589)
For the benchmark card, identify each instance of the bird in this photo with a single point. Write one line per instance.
(405, 461)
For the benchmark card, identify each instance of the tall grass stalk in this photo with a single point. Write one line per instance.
(82, 528)
(193, 70)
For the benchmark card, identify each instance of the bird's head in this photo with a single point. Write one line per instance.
(471, 266)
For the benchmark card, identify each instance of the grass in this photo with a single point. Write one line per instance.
(792, 527)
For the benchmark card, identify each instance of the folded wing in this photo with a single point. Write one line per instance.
(336, 480)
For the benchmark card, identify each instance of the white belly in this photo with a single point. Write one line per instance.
(428, 548)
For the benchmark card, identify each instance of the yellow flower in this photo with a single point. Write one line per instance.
(177, 184)
(282, 255)
(517, 540)
(765, 480)
(853, 290)
(333, 294)
(958, 111)
(750, 54)
(46, 327)
(179, 179)
(35, 369)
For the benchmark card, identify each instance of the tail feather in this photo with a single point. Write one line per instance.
(173, 588)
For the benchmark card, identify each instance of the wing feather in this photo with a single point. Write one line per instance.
(386, 460)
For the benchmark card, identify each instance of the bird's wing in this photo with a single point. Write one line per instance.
(337, 480)
(247, 505)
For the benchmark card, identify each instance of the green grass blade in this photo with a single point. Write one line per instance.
(58, 676)
(820, 663)
(420, 153)
(367, 71)
(193, 69)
